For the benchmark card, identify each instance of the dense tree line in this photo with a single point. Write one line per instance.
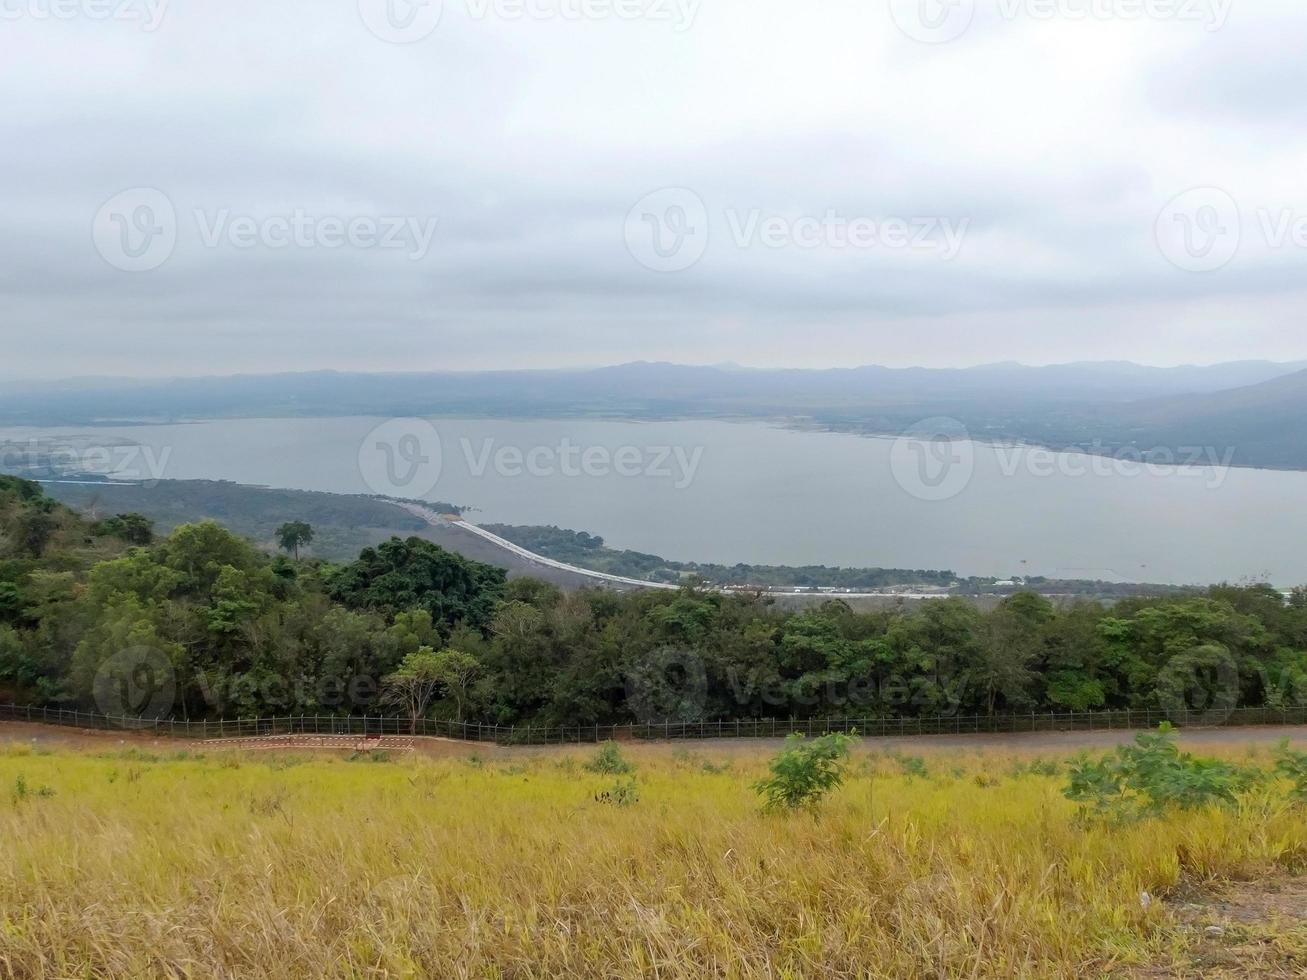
(590, 551)
(236, 632)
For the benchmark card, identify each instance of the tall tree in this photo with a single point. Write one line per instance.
(414, 685)
(416, 574)
(293, 535)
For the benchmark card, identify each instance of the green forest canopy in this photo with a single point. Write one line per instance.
(238, 632)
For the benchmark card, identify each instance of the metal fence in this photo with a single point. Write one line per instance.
(1084, 721)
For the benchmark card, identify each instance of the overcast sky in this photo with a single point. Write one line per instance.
(202, 187)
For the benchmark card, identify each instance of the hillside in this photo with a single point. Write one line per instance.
(1261, 424)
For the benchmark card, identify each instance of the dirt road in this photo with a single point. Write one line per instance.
(1050, 742)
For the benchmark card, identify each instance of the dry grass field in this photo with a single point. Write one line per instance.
(121, 862)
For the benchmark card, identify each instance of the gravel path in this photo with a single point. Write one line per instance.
(1054, 742)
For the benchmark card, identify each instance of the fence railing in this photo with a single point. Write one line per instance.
(363, 725)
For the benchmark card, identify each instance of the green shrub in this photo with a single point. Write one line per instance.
(621, 793)
(912, 765)
(22, 791)
(805, 772)
(1037, 767)
(1293, 766)
(609, 761)
(1152, 776)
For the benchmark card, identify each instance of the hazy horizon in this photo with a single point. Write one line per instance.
(730, 366)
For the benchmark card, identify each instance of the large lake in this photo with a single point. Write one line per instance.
(727, 492)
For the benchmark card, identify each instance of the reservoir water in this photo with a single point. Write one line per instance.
(732, 492)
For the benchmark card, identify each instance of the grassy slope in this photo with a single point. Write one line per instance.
(344, 524)
(276, 866)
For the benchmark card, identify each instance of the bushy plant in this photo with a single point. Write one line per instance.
(912, 766)
(1037, 767)
(1152, 776)
(23, 791)
(609, 761)
(621, 793)
(1293, 766)
(805, 771)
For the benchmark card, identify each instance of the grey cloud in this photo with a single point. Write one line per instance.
(531, 142)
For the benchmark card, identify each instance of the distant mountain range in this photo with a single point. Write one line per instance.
(1252, 409)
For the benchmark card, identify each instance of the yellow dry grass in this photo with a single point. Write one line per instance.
(273, 866)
